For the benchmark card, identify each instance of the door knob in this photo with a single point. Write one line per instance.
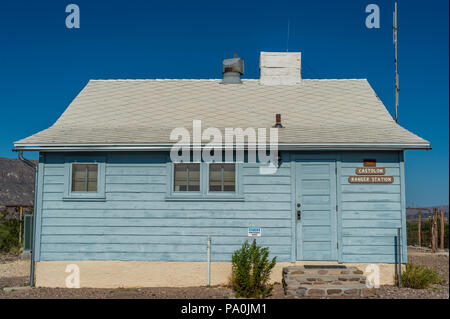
(299, 215)
(298, 205)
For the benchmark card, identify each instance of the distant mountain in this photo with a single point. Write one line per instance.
(16, 182)
(412, 212)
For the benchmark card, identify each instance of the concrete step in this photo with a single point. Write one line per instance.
(325, 281)
(331, 291)
(301, 270)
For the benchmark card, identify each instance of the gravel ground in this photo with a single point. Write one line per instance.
(14, 273)
(439, 262)
(217, 292)
(139, 293)
(12, 267)
(391, 292)
(14, 281)
(6, 257)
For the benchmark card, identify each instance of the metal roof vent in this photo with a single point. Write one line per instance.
(232, 70)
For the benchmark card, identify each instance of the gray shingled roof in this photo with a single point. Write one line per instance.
(144, 112)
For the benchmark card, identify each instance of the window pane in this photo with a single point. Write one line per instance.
(92, 171)
(78, 186)
(229, 178)
(79, 172)
(78, 177)
(92, 178)
(92, 186)
(186, 177)
(194, 178)
(84, 177)
(222, 177)
(215, 177)
(180, 178)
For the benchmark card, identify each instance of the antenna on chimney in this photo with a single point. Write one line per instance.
(287, 38)
(397, 89)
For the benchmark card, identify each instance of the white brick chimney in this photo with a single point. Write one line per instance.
(280, 68)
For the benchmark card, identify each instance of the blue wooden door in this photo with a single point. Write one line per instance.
(316, 202)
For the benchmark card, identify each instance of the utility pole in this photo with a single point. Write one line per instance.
(397, 89)
(442, 229)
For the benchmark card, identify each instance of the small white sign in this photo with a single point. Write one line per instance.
(254, 232)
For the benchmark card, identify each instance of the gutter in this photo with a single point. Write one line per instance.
(35, 167)
(168, 147)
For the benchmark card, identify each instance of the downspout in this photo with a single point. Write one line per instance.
(35, 167)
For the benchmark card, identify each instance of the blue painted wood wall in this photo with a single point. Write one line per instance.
(371, 213)
(136, 222)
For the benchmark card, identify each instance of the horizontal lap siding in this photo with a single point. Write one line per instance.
(137, 223)
(370, 213)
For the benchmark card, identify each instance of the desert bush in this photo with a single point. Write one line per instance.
(419, 277)
(9, 234)
(251, 271)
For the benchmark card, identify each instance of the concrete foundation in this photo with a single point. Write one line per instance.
(126, 274)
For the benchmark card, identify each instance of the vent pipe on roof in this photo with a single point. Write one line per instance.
(232, 70)
(278, 121)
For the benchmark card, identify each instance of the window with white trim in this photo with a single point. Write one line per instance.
(186, 177)
(222, 177)
(84, 177)
(204, 181)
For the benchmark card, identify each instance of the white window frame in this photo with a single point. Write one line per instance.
(99, 195)
(235, 179)
(186, 192)
(204, 194)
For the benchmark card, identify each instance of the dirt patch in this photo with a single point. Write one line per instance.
(14, 281)
(138, 293)
(7, 257)
(392, 292)
(15, 268)
(218, 292)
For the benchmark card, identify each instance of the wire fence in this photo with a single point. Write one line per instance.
(412, 231)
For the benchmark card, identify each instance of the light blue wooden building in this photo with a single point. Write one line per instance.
(108, 195)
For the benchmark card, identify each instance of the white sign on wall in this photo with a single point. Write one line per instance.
(254, 232)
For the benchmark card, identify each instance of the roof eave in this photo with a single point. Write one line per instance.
(168, 147)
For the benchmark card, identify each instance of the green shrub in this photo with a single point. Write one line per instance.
(251, 271)
(9, 234)
(419, 277)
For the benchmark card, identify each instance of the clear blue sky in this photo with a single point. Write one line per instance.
(43, 65)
